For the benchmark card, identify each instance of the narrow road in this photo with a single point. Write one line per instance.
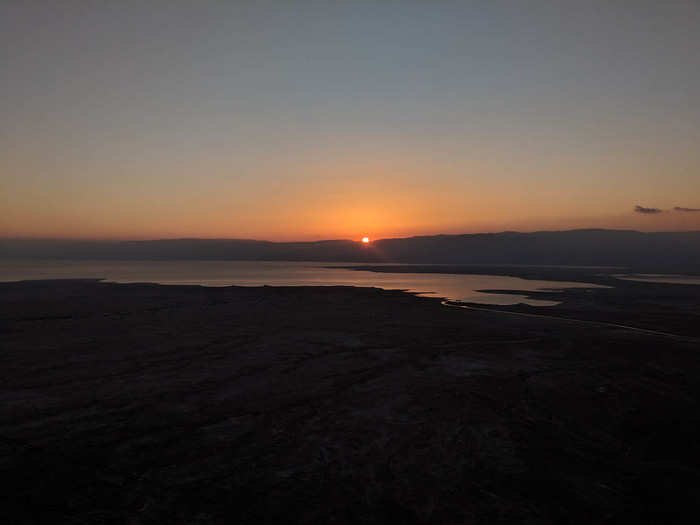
(569, 319)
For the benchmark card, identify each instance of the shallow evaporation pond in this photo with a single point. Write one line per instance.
(454, 287)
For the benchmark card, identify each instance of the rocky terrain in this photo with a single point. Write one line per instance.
(180, 404)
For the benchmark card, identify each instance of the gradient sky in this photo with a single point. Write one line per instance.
(307, 120)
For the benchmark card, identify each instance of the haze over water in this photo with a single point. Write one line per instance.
(253, 273)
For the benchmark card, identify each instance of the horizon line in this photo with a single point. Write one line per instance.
(238, 239)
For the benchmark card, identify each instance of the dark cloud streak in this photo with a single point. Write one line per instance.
(679, 208)
(648, 211)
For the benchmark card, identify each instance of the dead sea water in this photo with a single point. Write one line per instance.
(454, 287)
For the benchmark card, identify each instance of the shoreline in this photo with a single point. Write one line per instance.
(600, 303)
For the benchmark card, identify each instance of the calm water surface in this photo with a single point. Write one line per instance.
(253, 273)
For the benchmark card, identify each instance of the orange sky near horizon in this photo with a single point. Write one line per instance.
(315, 201)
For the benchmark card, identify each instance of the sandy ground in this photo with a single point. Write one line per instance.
(174, 404)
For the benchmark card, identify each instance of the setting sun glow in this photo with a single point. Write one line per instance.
(365, 240)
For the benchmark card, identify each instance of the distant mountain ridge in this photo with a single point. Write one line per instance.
(573, 247)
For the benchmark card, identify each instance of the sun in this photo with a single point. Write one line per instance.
(365, 240)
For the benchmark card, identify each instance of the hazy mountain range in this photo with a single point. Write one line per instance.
(574, 247)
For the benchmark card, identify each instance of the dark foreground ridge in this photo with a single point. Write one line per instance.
(181, 404)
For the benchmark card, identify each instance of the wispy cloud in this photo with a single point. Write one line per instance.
(648, 211)
(678, 208)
